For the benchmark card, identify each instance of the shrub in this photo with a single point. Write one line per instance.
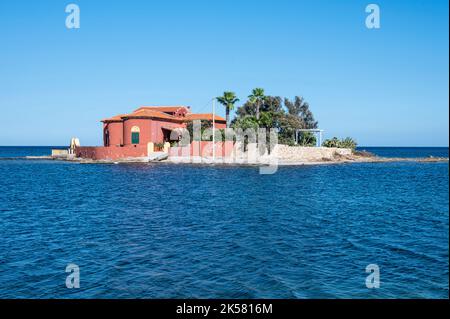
(334, 142)
(348, 142)
(343, 143)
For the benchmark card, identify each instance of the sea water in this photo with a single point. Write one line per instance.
(178, 231)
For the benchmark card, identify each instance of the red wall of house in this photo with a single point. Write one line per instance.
(204, 149)
(115, 133)
(150, 130)
(144, 127)
(112, 152)
(157, 135)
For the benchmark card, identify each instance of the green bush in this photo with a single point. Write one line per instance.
(343, 143)
(334, 142)
(159, 146)
(348, 142)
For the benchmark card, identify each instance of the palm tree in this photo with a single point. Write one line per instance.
(228, 100)
(257, 97)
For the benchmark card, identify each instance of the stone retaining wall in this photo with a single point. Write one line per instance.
(284, 153)
(309, 154)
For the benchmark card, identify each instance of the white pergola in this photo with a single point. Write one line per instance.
(316, 131)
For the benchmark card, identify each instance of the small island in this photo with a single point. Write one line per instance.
(267, 130)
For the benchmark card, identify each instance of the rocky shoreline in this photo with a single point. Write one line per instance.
(371, 159)
(338, 159)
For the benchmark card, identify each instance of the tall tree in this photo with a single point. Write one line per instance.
(257, 97)
(270, 104)
(300, 109)
(228, 99)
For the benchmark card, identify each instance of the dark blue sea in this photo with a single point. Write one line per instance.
(176, 231)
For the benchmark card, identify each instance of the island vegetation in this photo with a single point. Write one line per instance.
(285, 115)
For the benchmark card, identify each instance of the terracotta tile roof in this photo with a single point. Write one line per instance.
(159, 112)
(141, 113)
(116, 118)
(205, 116)
(150, 113)
(163, 108)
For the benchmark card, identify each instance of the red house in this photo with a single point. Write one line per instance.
(130, 135)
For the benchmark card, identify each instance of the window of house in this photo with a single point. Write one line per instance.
(135, 135)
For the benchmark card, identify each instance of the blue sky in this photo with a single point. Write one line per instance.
(384, 87)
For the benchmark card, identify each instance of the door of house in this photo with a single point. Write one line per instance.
(166, 135)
